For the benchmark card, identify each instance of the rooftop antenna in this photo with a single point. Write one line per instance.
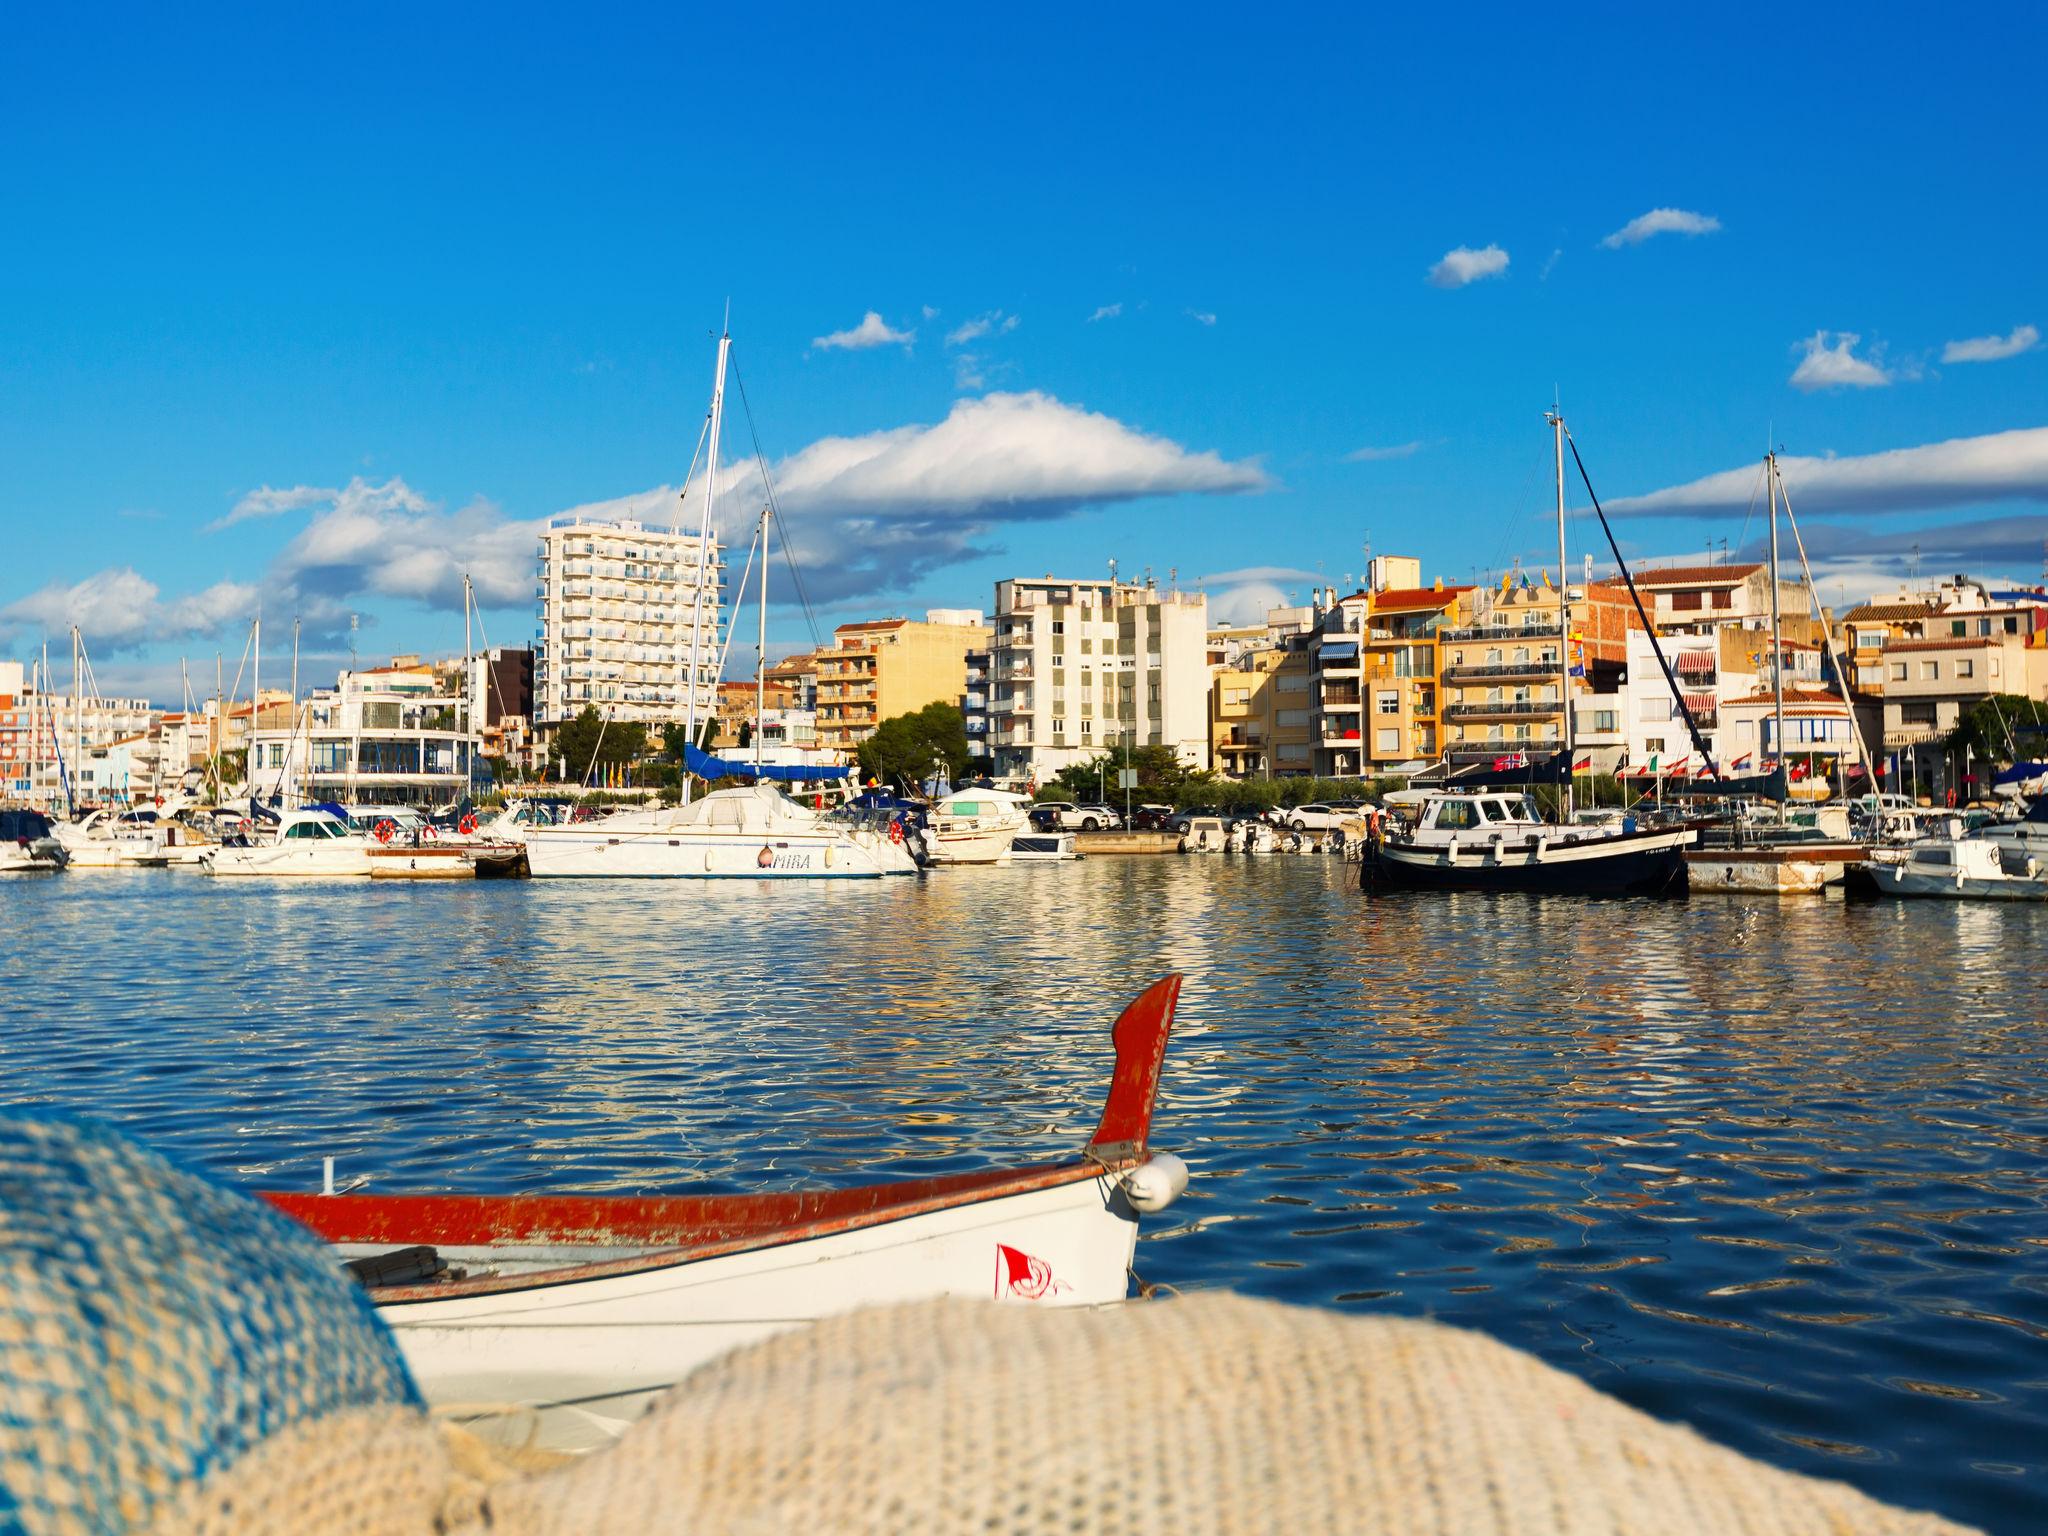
(1173, 578)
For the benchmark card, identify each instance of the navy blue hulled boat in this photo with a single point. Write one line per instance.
(1498, 842)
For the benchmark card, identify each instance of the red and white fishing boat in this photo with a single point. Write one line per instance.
(583, 1308)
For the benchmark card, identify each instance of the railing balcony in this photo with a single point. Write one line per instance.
(1502, 632)
(1502, 709)
(1537, 668)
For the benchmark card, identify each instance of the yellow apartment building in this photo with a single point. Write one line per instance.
(1260, 723)
(881, 668)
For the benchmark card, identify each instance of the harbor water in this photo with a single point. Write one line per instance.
(1773, 1168)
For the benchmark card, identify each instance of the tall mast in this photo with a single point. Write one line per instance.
(468, 688)
(704, 537)
(291, 744)
(1564, 615)
(217, 729)
(761, 646)
(1777, 636)
(77, 724)
(255, 709)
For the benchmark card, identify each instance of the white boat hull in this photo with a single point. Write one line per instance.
(588, 850)
(1897, 880)
(115, 853)
(589, 1355)
(329, 859)
(973, 845)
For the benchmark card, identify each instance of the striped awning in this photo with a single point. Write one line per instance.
(1701, 703)
(1701, 662)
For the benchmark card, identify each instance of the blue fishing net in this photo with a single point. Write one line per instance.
(154, 1328)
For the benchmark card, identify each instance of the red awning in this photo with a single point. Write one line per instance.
(1701, 703)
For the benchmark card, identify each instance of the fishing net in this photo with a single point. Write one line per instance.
(178, 1360)
(155, 1330)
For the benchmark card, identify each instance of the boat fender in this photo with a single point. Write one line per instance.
(765, 857)
(1156, 1183)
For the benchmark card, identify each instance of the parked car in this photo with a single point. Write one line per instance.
(1096, 818)
(1050, 815)
(1316, 816)
(1154, 818)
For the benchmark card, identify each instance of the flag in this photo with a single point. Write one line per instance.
(1546, 580)
(1740, 761)
(1507, 582)
(1679, 766)
(1582, 765)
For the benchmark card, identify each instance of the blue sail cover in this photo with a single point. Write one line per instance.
(705, 766)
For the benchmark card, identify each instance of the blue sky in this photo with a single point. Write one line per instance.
(425, 278)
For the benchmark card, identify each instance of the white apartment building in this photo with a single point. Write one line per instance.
(48, 739)
(618, 603)
(1081, 668)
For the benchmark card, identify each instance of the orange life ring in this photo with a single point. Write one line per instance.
(384, 829)
(466, 826)
(895, 831)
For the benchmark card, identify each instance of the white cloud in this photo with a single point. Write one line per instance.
(871, 513)
(1836, 367)
(1992, 349)
(929, 313)
(873, 331)
(270, 501)
(1106, 312)
(1466, 265)
(1376, 455)
(1257, 573)
(994, 323)
(867, 514)
(1550, 264)
(1661, 221)
(1964, 471)
(1246, 604)
(1200, 316)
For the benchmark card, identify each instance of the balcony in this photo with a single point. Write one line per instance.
(1503, 709)
(1501, 633)
(1537, 668)
(1342, 697)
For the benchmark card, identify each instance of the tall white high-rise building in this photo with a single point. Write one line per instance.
(618, 603)
(1080, 668)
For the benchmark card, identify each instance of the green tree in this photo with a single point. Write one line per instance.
(589, 741)
(674, 737)
(1989, 728)
(905, 748)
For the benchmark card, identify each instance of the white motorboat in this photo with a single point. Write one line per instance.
(306, 844)
(100, 840)
(754, 832)
(1254, 837)
(26, 844)
(1208, 834)
(1964, 869)
(1037, 847)
(975, 826)
(583, 1308)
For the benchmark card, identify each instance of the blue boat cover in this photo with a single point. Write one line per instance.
(705, 766)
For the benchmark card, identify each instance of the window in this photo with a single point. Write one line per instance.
(1606, 720)
(1867, 638)
(1059, 626)
(1958, 627)
(1898, 671)
(1653, 744)
(1965, 667)
(1387, 739)
(1653, 711)
(1492, 811)
(1994, 666)
(1725, 598)
(1387, 702)
(1231, 696)
(1291, 717)
(1687, 602)
(1457, 816)
(1930, 671)
(1916, 714)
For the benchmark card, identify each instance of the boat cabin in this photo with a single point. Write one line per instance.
(1478, 816)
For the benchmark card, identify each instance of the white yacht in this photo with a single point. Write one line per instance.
(308, 843)
(1042, 847)
(101, 840)
(26, 843)
(976, 826)
(755, 833)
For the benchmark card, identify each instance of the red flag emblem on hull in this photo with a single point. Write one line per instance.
(1019, 1274)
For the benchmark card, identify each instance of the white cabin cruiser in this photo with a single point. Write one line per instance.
(976, 826)
(306, 844)
(26, 843)
(1964, 869)
(754, 832)
(100, 840)
(1037, 847)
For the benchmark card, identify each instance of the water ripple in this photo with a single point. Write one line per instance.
(1773, 1169)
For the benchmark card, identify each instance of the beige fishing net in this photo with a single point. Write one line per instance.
(176, 1359)
(1208, 1414)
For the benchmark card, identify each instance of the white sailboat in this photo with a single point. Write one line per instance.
(752, 833)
